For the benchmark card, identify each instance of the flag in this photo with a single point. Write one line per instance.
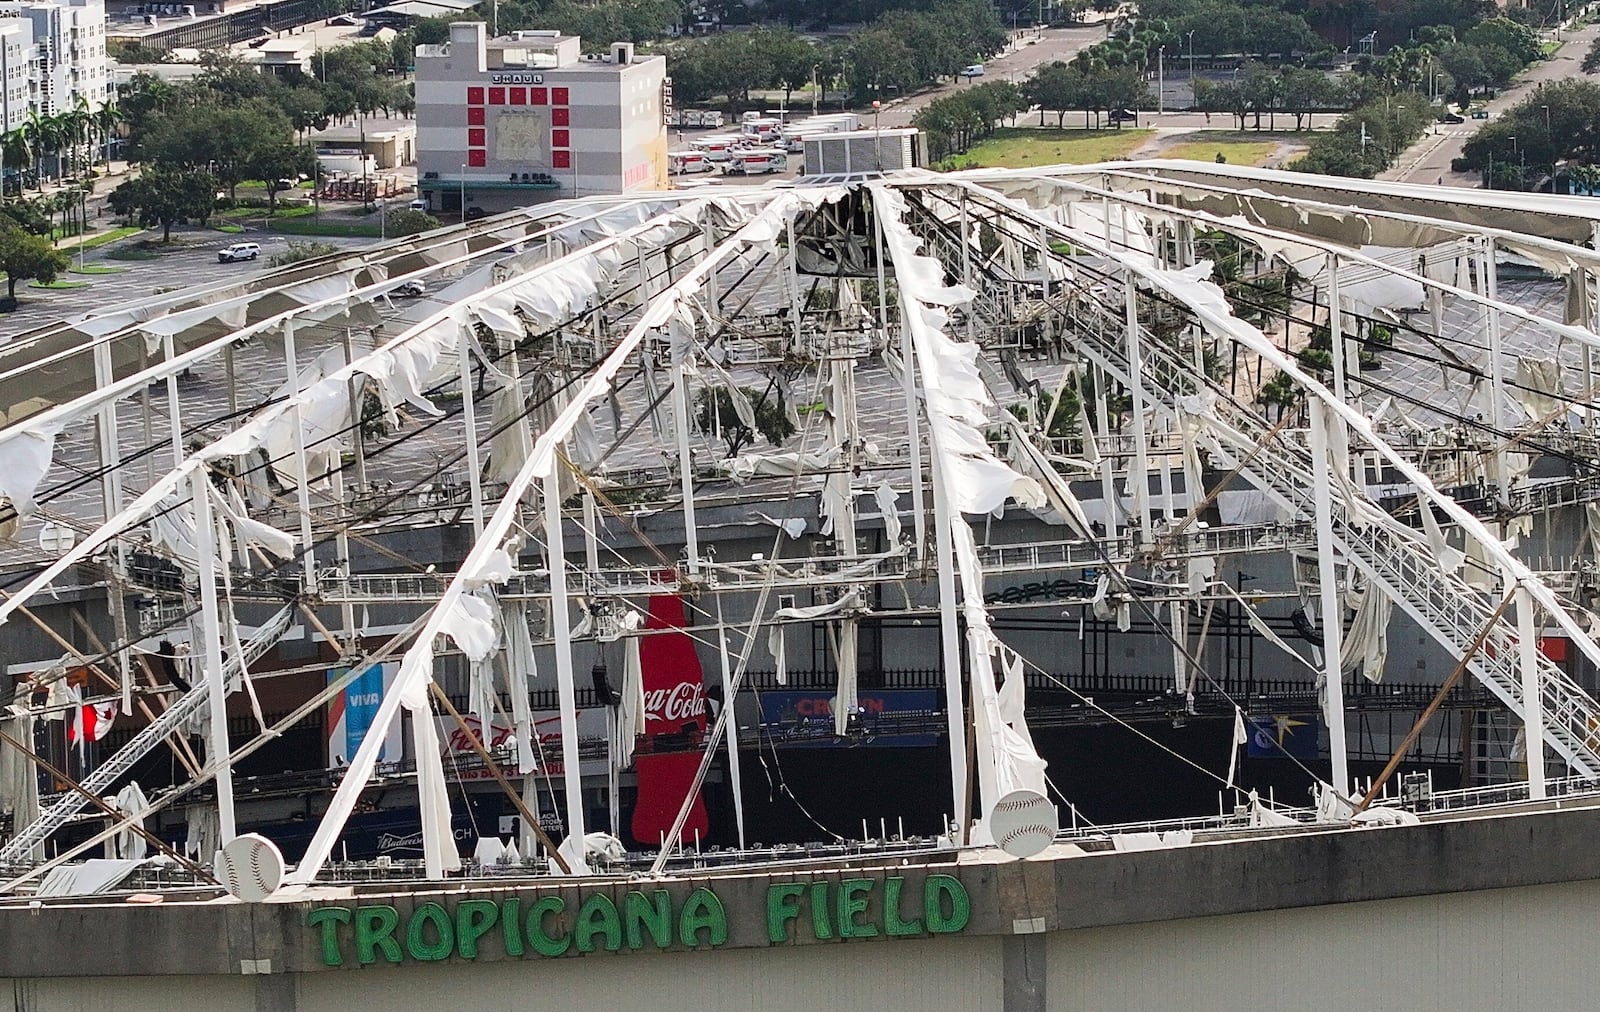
(91, 722)
(1240, 737)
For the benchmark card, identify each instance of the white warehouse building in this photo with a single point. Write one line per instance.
(515, 120)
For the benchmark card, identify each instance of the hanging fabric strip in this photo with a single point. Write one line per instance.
(845, 639)
(779, 648)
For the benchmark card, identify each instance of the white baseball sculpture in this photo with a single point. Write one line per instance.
(250, 867)
(1023, 823)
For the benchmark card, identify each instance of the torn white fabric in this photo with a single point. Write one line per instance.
(24, 461)
(202, 832)
(778, 647)
(19, 779)
(631, 714)
(511, 442)
(845, 637)
(126, 842)
(1240, 737)
(1265, 631)
(786, 464)
(794, 527)
(1538, 381)
(1448, 558)
(1365, 646)
(469, 620)
(888, 506)
(521, 671)
(849, 603)
(251, 533)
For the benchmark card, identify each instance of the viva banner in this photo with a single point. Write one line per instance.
(675, 719)
(350, 714)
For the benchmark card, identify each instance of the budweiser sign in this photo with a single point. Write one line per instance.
(684, 702)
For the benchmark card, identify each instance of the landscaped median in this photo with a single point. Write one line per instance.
(1024, 147)
(101, 239)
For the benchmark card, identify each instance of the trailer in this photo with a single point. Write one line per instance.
(764, 130)
(757, 162)
(717, 147)
(680, 163)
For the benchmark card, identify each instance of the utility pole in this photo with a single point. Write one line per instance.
(1161, 80)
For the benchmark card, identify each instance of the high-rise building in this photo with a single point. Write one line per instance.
(16, 71)
(526, 117)
(69, 59)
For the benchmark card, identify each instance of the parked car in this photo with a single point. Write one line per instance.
(1451, 117)
(474, 213)
(411, 290)
(1123, 116)
(975, 70)
(238, 251)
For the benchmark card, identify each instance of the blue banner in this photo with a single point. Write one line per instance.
(1284, 737)
(886, 718)
(351, 713)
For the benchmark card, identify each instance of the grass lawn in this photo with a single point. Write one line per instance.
(1012, 147)
(95, 269)
(303, 225)
(133, 253)
(56, 285)
(1205, 148)
(110, 236)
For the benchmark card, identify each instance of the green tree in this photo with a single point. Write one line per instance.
(226, 141)
(25, 256)
(164, 196)
(1560, 121)
(1520, 41)
(771, 421)
(279, 168)
(409, 222)
(1591, 59)
(1054, 87)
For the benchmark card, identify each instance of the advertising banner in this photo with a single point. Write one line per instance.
(1284, 737)
(351, 712)
(887, 718)
(675, 711)
(457, 750)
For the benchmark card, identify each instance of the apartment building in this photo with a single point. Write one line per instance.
(69, 58)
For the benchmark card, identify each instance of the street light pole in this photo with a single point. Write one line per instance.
(1161, 80)
(463, 192)
(1549, 136)
(877, 134)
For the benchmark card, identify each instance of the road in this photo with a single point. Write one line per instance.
(1015, 64)
(1428, 161)
(194, 262)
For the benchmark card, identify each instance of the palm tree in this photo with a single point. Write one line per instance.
(106, 120)
(38, 130)
(15, 149)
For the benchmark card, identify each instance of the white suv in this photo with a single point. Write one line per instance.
(238, 251)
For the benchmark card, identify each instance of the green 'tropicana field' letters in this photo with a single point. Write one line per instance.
(818, 910)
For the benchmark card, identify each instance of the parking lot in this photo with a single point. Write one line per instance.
(192, 260)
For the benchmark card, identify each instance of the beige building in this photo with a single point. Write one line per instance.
(527, 117)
